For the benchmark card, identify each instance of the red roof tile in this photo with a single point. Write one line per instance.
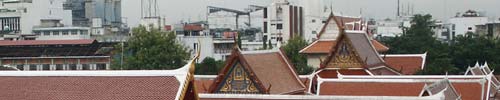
(270, 70)
(407, 65)
(324, 46)
(333, 73)
(468, 91)
(273, 71)
(88, 88)
(202, 85)
(193, 27)
(46, 42)
(371, 89)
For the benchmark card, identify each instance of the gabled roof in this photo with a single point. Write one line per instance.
(324, 46)
(407, 64)
(270, 70)
(335, 23)
(442, 86)
(362, 47)
(46, 42)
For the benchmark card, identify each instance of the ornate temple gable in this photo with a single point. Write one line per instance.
(345, 57)
(237, 77)
(238, 80)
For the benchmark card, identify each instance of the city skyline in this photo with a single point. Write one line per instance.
(441, 9)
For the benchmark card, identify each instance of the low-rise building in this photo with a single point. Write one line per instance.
(491, 29)
(38, 55)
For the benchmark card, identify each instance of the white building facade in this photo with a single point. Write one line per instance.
(20, 16)
(466, 23)
(283, 21)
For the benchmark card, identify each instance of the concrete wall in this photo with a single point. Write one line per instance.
(313, 60)
(206, 44)
(461, 25)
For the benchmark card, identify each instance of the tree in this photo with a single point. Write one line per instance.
(209, 66)
(270, 45)
(264, 42)
(472, 48)
(292, 49)
(418, 39)
(239, 40)
(152, 49)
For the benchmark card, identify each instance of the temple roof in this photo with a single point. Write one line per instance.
(464, 87)
(407, 64)
(91, 85)
(324, 46)
(270, 69)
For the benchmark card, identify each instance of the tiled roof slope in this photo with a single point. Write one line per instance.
(271, 68)
(274, 71)
(46, 42)
(88, 88)
(406, 64)
(324, 46)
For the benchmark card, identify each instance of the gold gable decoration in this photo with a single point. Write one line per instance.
(238, 81)
(345, 57)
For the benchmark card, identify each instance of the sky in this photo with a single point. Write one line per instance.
(176, 11)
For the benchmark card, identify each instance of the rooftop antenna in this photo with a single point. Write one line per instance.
(398, 12)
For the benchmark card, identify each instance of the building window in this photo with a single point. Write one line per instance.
(32, 67)
(20, 67)
(279, 26)
(470, 28)
(72, 67)
(265, 27)
(453, 27)
(314, 32)
(59, 67)
(37, 33)
(65, 33)
(84, 32)
(74, 32)
(195, 45)
(46, 33)
(55, 32)
(45, 67)
(100, 66)
(85, 67)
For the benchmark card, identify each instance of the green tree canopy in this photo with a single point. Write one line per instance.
(209, 66)
(418, 39)
(152, 49)
(292, 49)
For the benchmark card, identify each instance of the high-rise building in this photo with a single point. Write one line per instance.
(283, 21)
(103, 16)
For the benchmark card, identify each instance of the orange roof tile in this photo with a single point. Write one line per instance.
(324, 46)
(46, 42)
(371, 89)
(333, 73)
(407, 65)
(272, 70)
(202, 85)
(468, 91)
(88, 88)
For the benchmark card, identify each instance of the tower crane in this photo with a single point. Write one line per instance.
(252, 8)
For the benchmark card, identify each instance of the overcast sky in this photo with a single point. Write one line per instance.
(195, 10)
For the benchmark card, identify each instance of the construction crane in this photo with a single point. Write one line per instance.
(252, 8)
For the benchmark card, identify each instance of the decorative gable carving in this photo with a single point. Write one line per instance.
(345, 56)
(238, 80)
